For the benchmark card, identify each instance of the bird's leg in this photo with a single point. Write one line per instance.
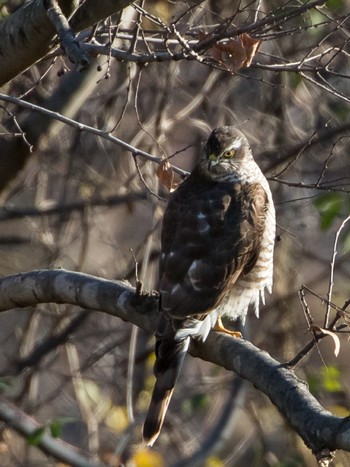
(221, 328)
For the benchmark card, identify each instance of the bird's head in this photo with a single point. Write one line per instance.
(225, 151)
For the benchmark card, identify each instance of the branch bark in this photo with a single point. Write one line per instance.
(321, 431)
(28, 33)
(66, 36)
(115, 298)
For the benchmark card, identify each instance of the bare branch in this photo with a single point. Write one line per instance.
(82, 127)
(66, 35)
(116, 200)
(49, 343)
(323, 136)
(321, 431)
(26, 35)
(316, 336)
(92, 293)
(27, 426)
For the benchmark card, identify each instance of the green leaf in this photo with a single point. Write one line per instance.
(329, 206)
(335, 5)
(35, 438)
(56, 428)
(197, 401)
(295, 79)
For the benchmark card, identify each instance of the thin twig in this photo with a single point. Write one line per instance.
(317, 337)
(142, 178)
(331, 275)
(7, 213)
(17, 125)
(87, 128)
(50, 343)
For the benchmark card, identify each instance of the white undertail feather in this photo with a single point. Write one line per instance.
(194, 328)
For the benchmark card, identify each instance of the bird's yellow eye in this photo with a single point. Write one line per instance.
(229, 154)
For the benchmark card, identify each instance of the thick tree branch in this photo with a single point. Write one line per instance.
(66, 35)
(92, 293)
(27, 34)
(321, 431)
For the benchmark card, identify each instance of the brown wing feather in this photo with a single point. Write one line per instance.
(211, 234)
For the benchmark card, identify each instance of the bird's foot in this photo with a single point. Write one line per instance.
(221, 328)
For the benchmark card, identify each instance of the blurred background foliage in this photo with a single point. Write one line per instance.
(293, 103)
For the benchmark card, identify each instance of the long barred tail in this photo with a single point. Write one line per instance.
(171, 349)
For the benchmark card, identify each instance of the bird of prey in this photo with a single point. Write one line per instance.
(217, 244)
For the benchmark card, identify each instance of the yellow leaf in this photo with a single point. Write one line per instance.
(339, 410)
(151, 359)
(147, 458)
(116, 419)
(213, 461)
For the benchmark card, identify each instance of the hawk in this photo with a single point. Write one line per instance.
(216, 259)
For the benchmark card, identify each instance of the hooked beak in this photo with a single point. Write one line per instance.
(212, 160)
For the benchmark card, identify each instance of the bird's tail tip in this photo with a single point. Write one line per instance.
(155, 415)
(150, 441)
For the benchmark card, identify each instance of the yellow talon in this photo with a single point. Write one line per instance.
(221, 328)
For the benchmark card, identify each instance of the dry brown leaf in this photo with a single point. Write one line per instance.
(236, 53)
(335, 338)
(251, 46)
(165, 174)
